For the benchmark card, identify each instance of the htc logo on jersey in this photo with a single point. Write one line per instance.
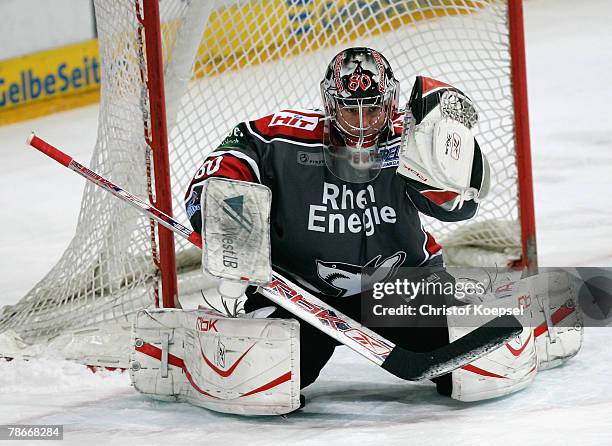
(366, 217)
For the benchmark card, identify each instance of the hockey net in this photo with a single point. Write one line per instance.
(226, 61)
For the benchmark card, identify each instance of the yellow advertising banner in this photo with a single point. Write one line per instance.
(49, 81)
(262, 31)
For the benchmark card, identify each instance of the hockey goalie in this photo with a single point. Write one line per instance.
(321, 196)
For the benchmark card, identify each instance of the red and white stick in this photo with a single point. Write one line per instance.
(117, 191)
(401, 362)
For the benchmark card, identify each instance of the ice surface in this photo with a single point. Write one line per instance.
(569, 60)
(351, 403)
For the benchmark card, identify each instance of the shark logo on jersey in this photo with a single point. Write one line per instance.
(351, 279)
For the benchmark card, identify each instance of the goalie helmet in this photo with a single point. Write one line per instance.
(360, 96)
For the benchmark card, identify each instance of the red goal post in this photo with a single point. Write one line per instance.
(177, 76)
(156, 134)
(529, 255)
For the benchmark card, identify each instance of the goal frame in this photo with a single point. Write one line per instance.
(157, 138)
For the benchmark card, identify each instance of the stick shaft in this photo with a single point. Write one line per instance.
(161, 218)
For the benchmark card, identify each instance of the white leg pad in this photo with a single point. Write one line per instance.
(553, 334)
(506, 370)
(552, 301)
(231, 365)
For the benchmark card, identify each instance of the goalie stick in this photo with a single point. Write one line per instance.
(402, 363)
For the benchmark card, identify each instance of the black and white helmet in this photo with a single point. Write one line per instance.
(360, 96)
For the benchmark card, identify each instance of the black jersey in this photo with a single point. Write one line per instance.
(324, 230)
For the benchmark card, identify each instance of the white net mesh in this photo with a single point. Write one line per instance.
(229, 61)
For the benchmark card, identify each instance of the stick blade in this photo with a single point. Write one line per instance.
(415, 366)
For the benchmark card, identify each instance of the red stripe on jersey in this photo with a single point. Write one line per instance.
(439, 197)
(226, 166)
(233, 168)
(431, 245)
(291, 124)
(430, 84)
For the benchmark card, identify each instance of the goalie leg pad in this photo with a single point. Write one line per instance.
(553, 334)
(231, 365)
(551, 299)
(506, 370)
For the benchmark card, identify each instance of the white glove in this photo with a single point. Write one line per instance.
(439, 152)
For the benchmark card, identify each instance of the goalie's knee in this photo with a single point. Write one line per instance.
(505, 370)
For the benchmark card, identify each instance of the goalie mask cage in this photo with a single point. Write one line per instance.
(177, 75)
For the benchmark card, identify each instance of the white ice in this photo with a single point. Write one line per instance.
(569, 60)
